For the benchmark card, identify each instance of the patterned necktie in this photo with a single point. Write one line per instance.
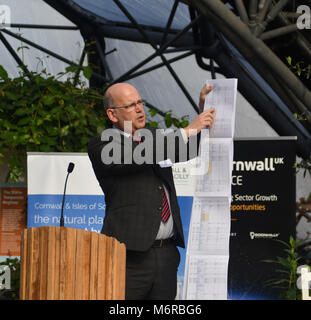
(165, 207)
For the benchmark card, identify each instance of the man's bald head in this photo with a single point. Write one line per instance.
(117, 92)
(123, 103)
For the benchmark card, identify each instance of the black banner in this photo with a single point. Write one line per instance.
(262, 210)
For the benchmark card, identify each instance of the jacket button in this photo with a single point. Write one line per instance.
(160, 187)
(160, 208)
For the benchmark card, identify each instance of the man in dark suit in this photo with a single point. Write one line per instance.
(141, 203)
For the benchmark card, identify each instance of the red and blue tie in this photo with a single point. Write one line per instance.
(165, 207)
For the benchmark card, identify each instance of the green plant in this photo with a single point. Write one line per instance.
(38, 112)
(14, 265)
(287, 281)
(300, 68)
(169, 119)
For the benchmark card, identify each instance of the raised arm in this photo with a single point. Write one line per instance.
(205, 119)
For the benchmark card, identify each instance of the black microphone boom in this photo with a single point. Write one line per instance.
(69, 170)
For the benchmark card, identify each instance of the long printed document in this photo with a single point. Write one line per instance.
(223, 98)
(207, 257)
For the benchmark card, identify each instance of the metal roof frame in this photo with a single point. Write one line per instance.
(221, 31)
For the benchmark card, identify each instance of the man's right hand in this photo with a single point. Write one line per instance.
(202, 121)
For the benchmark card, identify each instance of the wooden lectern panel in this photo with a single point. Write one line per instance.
(60, 263)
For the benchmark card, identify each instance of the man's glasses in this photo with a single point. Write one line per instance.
(130, 107)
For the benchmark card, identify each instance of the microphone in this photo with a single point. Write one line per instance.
(70, 167)
(69, 170)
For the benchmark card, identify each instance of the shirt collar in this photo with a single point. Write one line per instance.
(126, 134)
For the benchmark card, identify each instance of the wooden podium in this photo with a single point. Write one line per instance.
(60, 263)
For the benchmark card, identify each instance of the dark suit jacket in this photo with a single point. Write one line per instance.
(133, 192)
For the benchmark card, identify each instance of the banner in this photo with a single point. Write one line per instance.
(12, 219)
(84, 207)
(262, 211)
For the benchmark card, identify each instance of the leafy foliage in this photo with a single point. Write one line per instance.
(299, 68)
(42, 113)
(287, 270)
(169, 120)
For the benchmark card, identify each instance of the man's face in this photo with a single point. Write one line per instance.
(127, 107)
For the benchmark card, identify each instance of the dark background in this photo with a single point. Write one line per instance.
(248, 272)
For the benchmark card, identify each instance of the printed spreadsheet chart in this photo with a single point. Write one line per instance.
(207, 255)
(207, 277)
(217, 180)
(222, 98)
(209, 226)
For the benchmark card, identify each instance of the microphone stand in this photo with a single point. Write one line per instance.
(69, 170)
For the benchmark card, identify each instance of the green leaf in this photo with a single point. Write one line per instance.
(168, 119)
(21, 112)
(176, 122)
(153, 124)
(292, 241)
(22, 47)
(39, 122)
(283, 242)
(292, 294)
(64, 131)
(54, 89)
(48, 100)
(71, 68)
(284, 262)
(184, 123)
(3, 74)
(24, 121)
(87, 72)
(71, 110)
(153, 112)
(278, 281)
(282, 271)
(301, 242)
(270, 261)
(12, 96)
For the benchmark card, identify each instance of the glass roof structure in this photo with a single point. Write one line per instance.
(148, 13)
(248, 40)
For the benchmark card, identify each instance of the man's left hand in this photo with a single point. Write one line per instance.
(204, 92)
